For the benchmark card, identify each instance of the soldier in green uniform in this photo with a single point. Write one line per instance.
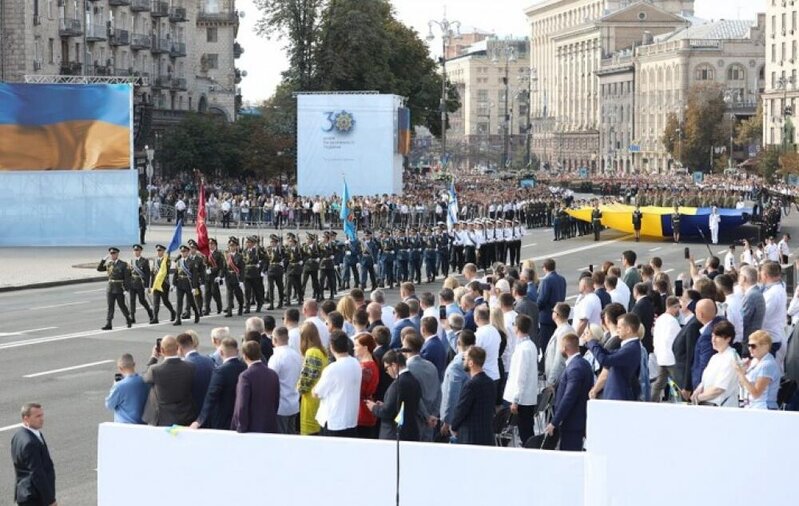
(234, 276)
(310, 267)
(163, 294)
(675, 223)
(596, 220)
(327, 251)
(294, 261)
(187, 283)
(140, 281)
(197, 260)
(253, 282)
(214, 277)
(118, 281)
(274, 260)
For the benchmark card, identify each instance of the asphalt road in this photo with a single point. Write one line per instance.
(52, 351)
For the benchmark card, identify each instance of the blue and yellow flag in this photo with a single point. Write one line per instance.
(65, 126)
(163, 269)
(400, 419)
(347, 219)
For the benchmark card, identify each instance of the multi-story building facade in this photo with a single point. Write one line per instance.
(569, 40)
(781, 95)
(179, 53)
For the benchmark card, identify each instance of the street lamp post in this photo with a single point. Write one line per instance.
(150, 152)
(449, 30)
(506, 52)
(533, 87)
(729, 99)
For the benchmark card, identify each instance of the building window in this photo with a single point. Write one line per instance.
(704, 73)
(736, 73)
(482, 95)
(50, 51)
(212, 60)
(211, 34)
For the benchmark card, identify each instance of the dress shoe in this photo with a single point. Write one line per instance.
(207, 312)
(133, 320)
(228, 314)
(177, 322)
(247, 311)
(197, 318)
(107, 327)
(241, 310)
(185, 316)
(130, 323)
(172, 316)
(153, 321)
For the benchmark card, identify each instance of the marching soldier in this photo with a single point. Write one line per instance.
(197, 261)
(443, 242)
(352, 256)
(253, 282)
(140, 281)
(214, 277)
(470, 246)
(163, 293)
(234, 278)
(403, 256)
(430, 255)
(596, 220)
(187, 282)
(387, 252)
(274, 260)
(517, 235)
(310, 269)
(293, 270)
(327, 251)
(118, 281)
(370, 252)
(416, 243)
(458, 247)
(338, 249)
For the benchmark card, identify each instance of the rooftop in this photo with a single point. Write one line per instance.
(723, 29)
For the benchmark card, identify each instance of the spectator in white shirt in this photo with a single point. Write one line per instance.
(732, 305)
(793, 307)
(776, 306)
(339, 390)
(287, 363)
(387, 315)
(772, 251)
(521, 389)
(783, 248)
(310, 310)
(588, 308)
(618, 291)
(554, 363)
(666, 329)
(730, 263)
(509, 316)
(291, 320)
(488, 338)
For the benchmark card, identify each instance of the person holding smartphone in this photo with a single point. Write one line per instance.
(760, 376)
(128, 394)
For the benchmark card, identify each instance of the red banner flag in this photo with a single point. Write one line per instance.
(202, 230)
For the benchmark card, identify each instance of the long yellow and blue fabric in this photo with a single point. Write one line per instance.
(657, 221)
(65, 127)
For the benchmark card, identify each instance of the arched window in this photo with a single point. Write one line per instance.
(704, 72)
(736, 73)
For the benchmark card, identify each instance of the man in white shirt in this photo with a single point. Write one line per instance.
(387, 312)
(488, 338)
(731, 308)
(287, 363)
(506, 304)
(339, 390)
(772, 251)
(521, 389)
(783, 248)
(588, 308)
(666, 329)
(618, 291)
(713, 223)
(310, 310)
(776, 306)
(730, 262)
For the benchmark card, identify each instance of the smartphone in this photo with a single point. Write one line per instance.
(117, 377)
(489, 271)
(442, 312)
(158, 345)
(678, 288)
(687, 253)
(590, 267)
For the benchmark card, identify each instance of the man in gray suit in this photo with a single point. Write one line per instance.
(427, 375)
(170, 401)
(753, 306)
(525, 306)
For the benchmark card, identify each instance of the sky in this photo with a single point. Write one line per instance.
(264, 60)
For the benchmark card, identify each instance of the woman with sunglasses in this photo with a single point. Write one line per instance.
(719, 386)
(760, 376)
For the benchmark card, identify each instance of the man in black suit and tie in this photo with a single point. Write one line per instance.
(474, 414)
(551, 290)
(203, 368)
(645, 311)
(35, 474)
(405, 393)
(374, 311)
(217, 410)
(170, 401)
(257, 394)
(523, 305)
(571, 396)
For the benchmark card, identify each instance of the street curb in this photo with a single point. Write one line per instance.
(51, 284)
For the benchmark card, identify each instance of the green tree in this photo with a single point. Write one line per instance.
(704, 126)
(769, 162)
(203, 142)
(750, 131)
(671, 136)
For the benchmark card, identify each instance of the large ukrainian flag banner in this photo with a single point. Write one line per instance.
(65, 127)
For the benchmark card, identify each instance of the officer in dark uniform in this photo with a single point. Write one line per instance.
(119, 280)
(638, 218)
(370, 252)
(197, 260)
(234, 276)
(430, 255)
(596, 220)
(214, 277)
(310, 268)
(253, 282)
(387, 256)
(163, 294)
(327, 265)
(338, 247)
(675, 223)
(556, 224)
(187, 283)
(416, 243)
(294, 261)
(140, 281)
(403, 256)
(352, 256)
(275, 257)
(443, 243)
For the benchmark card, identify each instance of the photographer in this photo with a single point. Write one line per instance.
(128, 393)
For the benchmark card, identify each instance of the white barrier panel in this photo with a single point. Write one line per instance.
(147, 465)
(353, 135)
(662, 455)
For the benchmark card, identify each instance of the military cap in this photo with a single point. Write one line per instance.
(252, 238)
(310, 235)
(192, 243)
(274, 237)
(160, 247)
(137, 247)
(212, 240)
(233, 240)
(327, 234)
(183, 247)
(113, 249)
(291, 236)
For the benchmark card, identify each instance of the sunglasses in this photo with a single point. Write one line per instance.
(752, 346)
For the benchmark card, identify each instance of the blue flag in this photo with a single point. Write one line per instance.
(346, 219)
(163, 270)
(452, 207)
(177, 238)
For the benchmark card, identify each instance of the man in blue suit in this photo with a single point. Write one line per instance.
(217, 410)
(623, 364)
(571, 397)
(706, 314)
(551, 291)
(203, 368)
(433, 349)
(402, 314)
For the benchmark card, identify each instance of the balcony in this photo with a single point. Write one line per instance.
(119, 37)
(139, 5)
(178, 84)
(177, 14)
(69, 27)
(101, 70)
(118, 3)
(237, 50)
(96, 33)
(123, 72)
(159, 46)
(159, 9)
(70, 69)
(161, 82)
(140, 41)
(218, 17)
(177, 49)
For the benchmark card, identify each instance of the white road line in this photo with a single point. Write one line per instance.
(90, 291)
(668, 271)
(583, 248)
(64, 369)
(656, 249)
(700, 261)
(721, 252)
(60, 305)
(571, 297)
(530, 245)
(10, 427)
(20, 332)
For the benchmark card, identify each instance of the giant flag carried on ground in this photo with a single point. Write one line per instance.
(66, 127)
(163, 270)
(346, 214)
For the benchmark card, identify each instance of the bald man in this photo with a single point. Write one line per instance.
(170, 400)
(375, 312)
(706, 314)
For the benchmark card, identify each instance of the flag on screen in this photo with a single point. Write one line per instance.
(404, 115)
(346, 214)
(202, 229)
(163, 270)
(452, 207)
(400, 419)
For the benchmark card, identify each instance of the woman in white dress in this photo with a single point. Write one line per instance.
(719, 384)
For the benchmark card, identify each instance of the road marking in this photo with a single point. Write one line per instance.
(721, 252)
(530, 245)
(60, 305)
(584, 248)
(668, 271)
(10, 427)
(656, 249)
(571, 297)
(64, 369)
(90, 291)
(700, 261)
(19, 332)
